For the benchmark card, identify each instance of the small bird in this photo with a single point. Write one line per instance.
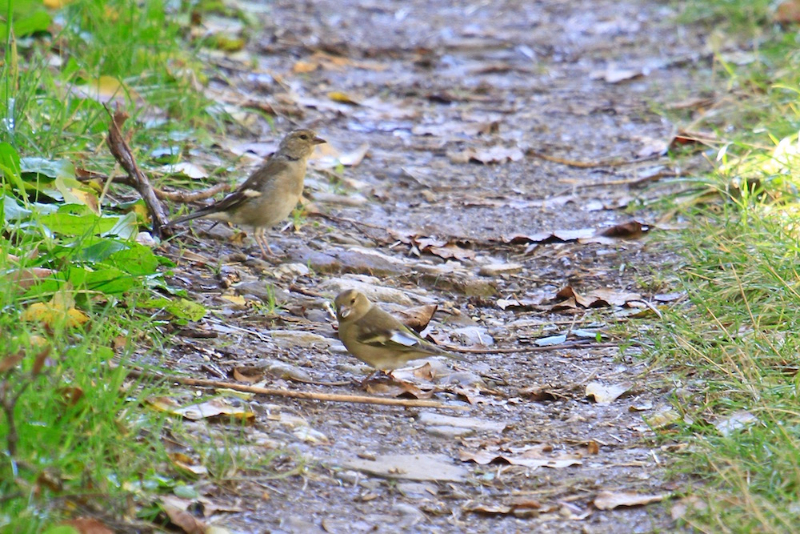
(270, 194)
(376, 338)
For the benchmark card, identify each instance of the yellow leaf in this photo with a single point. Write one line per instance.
(104, 89)
(56, 4)
(236, 299)
(60, 308)
(344, 98)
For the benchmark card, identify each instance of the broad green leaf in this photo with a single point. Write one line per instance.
(100, 251)
(10, 167)
(12, 211)
(137, 260)
(52, 168)
(180, 308)
(70, 224)
(124, 228)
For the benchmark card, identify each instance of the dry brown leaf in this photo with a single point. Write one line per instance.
(88, 525)
(11, 361)
(595, 299)
(250, 375)
(608, 500)
(531, 458)
(418, 317)
(787, 12)
(184, 520)
(397, 389)
(325, 61)
(25, 278)
(489, 509)
(187, 465)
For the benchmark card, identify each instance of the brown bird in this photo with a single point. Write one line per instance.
(376, 337)
(270, 194)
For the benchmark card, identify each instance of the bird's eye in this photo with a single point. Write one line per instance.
(304, 137)
(353, 301)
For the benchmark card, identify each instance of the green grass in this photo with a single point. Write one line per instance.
(735, 343)
(86, 441)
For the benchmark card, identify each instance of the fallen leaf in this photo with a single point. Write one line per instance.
(88, 525)
(787, 12)
(662, 419)
(606, 393)
(687, 504)
(250, 375)
(488, 509)
(11, 361)
(596, 298)
(328, 157)
(187, 465)
(60, 309)
(322, 60)
(456, 128)
(608, 500)
(184, 520)
(435, 419)
(494, 154)
(420, 467)
(194, 412)
(734, 422)
(418, 317)
(613, 74)
(190, 170)
(530, 459)
(344, 98)
(104, 89)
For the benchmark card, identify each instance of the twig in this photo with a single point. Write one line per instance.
(174, 196)
(507, 350)
(122, 153)
(588, 164)
(329, 397)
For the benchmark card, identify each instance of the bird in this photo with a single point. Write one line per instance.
(377, 338)
(270, 194)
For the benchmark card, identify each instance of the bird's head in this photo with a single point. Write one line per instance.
(299, 144)
(351, 305)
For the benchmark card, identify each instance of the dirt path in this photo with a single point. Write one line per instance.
(436, 87)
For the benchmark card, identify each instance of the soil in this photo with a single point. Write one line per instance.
(426, 84)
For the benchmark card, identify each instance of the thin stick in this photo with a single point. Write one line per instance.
(507, 350)
(588, 164)
(122, 153)
(184, 197)
(310, 395)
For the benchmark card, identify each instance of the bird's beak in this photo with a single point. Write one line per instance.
(318, 141)
(344, 311)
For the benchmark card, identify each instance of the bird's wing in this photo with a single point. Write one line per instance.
(251, 188)
(393, 339)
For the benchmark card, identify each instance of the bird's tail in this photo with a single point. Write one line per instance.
(202, 212)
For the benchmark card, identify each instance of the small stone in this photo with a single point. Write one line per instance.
(417, 490)
(291, 270)
(449, 431)
(348, 476)
(293, 338)
(499, 269)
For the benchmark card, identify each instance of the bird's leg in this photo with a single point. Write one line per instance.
(261, 239)
(372, 376)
